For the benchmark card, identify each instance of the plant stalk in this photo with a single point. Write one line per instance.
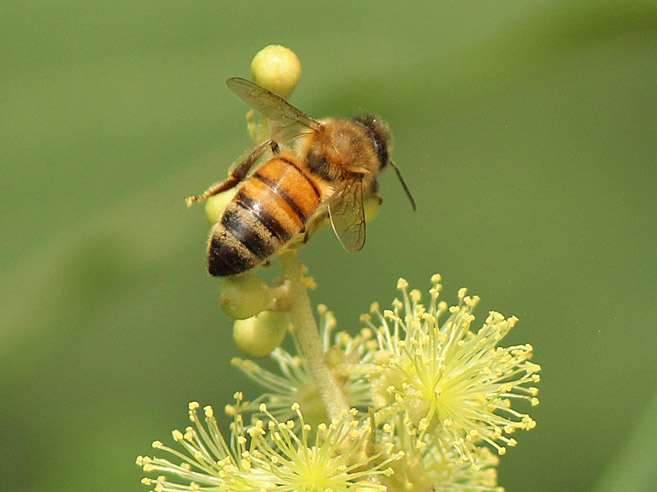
(303, 320)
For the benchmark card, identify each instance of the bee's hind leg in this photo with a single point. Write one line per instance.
(237, 172)
(311, 227)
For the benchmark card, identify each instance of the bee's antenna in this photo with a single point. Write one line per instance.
(403, 183)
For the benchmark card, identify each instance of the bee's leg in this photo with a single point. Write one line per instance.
(311, 227)
(237, 173)
(308, 233)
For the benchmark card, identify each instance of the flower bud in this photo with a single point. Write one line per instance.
(243, 296)
(259, 335)
(371, 205)
(277, 69)
(215, 205)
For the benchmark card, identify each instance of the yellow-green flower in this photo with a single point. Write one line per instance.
(449, 383)
(295, 383)
(328, 458)
(427, 466)
(204, 458)
(269, 456)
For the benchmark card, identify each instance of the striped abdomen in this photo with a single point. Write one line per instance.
(270, 208)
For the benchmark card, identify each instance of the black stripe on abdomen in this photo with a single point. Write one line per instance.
(259, 213)
(238, 222)
(310, 181)
(287, 198)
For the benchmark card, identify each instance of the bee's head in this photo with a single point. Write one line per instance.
(381, 137)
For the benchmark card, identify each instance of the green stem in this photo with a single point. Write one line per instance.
(302, 318)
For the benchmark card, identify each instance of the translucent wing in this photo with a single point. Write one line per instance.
(348, 216)
(288, 120)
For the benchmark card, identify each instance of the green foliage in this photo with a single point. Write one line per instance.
(634, 467)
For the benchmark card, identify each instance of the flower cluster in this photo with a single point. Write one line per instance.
(430, 399)
(295, 383)
(445, 380)
(270, 456)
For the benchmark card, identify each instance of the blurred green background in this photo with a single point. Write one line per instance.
(526, 130)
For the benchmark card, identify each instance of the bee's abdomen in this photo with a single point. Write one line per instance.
(239, 242)
(270, 208)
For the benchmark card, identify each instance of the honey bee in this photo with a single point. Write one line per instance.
(332, 167)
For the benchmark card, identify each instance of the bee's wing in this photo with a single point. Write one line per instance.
(289, 121)
(348, 215)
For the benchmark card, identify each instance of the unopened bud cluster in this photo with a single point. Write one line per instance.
(261, 320)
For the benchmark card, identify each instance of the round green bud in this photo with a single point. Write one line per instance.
(215, 205)
(277, 69)
(259, 335)
(243, 296)
(371, 205)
